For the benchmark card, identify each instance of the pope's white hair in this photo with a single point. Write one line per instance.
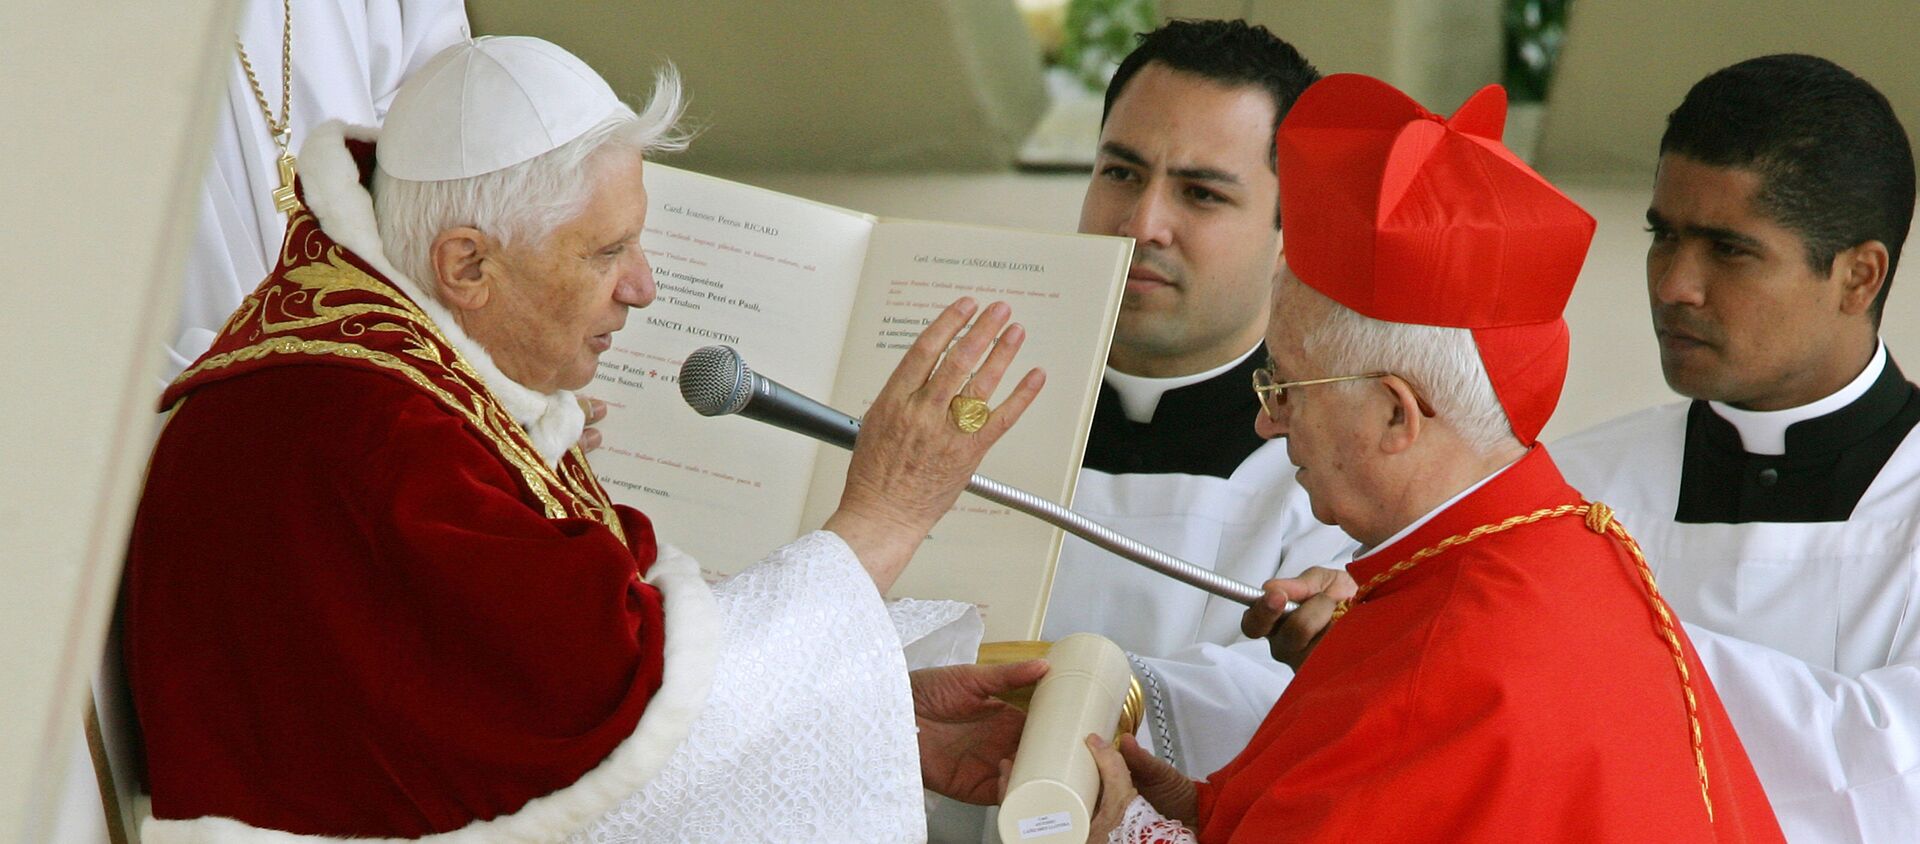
(526, 201)
(1442, 364)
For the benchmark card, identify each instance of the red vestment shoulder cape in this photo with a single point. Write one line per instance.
(358, 602)
(1513, 688)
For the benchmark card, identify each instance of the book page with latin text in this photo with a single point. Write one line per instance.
(771, 275)
(1064, 290)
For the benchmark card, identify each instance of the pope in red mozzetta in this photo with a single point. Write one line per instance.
(374, 589)
(1500, 666)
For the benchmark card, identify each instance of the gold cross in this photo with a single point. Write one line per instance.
(284, 199)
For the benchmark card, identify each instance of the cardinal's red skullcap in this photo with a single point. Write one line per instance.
(1405, 216)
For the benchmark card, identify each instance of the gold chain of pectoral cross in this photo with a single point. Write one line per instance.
(284, 200)
(1600, 520)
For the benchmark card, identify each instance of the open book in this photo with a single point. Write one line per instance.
(825, 301)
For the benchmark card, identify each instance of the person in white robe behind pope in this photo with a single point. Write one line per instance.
(374, 590)
(343, 61)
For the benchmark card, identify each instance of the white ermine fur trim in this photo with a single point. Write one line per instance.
(344, 209)
(693, 642)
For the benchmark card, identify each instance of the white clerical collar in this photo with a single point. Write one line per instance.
(1417, 523)
(1765, 431)
(1140, 395)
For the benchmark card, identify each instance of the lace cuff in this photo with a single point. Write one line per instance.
(1144, 825)
(936, 633)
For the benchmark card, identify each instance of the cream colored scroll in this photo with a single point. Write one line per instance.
(1055, 785)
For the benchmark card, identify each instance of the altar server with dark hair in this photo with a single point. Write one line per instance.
(1780, 505)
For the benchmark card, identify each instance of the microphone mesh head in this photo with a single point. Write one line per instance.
(714, 381)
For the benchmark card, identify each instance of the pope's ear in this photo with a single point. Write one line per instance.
(460, 271)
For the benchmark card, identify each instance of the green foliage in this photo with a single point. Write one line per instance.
(1535, 29)
(1099, 33)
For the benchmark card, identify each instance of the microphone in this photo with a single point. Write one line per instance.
(716, 382)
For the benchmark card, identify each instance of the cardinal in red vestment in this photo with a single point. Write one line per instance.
(1500, 665)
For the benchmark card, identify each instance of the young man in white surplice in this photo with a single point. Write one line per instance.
(1780, 506)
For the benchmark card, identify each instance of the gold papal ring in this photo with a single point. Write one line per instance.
(968, 413)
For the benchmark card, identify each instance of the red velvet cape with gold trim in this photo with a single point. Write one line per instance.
(323, 305)
(358, 604)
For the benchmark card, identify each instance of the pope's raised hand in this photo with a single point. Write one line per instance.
(914, 457)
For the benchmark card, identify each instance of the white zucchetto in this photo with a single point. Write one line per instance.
(488, 104)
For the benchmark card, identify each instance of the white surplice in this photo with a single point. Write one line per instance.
(1810, 631)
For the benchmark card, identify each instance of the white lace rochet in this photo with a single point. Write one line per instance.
(1143, 825)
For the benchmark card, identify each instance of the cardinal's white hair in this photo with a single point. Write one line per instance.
(1442, 364)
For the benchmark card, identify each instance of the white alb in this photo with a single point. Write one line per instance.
(808, 732)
